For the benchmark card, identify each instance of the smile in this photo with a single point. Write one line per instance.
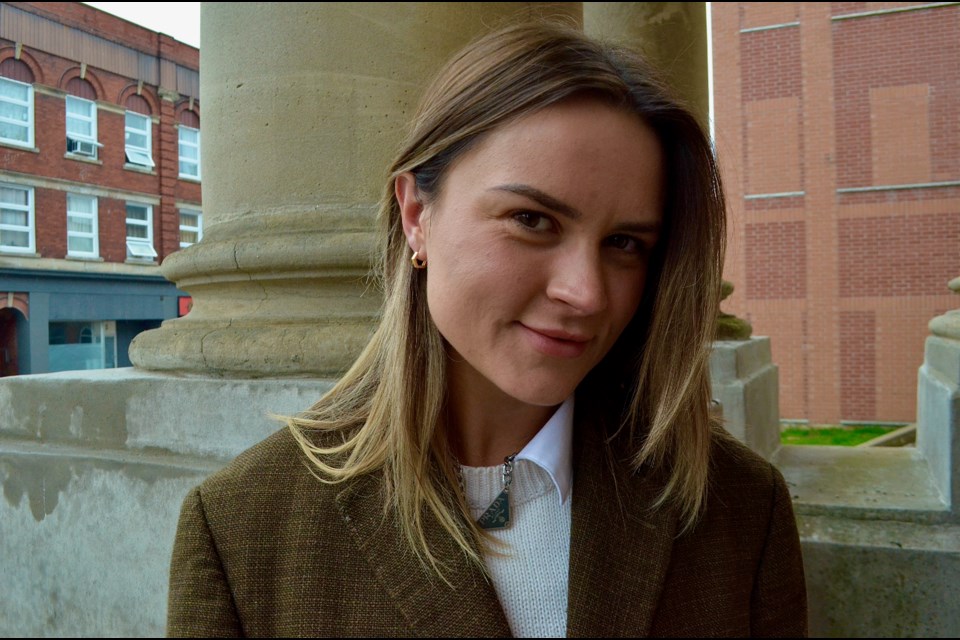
(555, 343)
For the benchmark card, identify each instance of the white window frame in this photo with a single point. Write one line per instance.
(30, 228)
(136, 155)
(94, 227)
(83, 145)
(140, 248)
(191, 163)
(28, 104)
(186, 227)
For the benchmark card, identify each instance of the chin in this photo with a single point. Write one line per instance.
(548, 395)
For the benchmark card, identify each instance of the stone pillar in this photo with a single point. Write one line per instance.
(672, 34)
(745, 382)
(938, 404)
(303, 104)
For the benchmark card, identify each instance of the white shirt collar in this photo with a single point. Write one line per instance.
(551, 449)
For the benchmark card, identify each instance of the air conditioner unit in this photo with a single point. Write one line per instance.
(82, 147)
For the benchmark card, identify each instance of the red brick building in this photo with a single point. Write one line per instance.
(838, 125)
(99, 181)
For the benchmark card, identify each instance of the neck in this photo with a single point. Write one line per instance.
(486, 424)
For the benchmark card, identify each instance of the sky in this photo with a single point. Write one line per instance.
(180, 20)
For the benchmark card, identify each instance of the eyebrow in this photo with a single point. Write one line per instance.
(564, 209)
(542, 198)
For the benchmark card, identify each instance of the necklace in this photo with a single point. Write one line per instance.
(497, 515)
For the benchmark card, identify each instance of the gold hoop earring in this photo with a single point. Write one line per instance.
(417, 262)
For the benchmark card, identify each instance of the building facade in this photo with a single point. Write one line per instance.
(838, 125)
(99, 181)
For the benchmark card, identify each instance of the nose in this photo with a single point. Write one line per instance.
(577, 279)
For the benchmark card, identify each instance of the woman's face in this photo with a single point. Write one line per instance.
(537, 247)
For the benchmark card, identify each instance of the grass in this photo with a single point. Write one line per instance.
(836, 435)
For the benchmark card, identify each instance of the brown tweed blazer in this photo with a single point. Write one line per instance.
(264, 549)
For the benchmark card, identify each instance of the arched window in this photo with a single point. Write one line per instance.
(16, 103)
(16, 70)
(137, 132)
(189, 138)
(81, 118)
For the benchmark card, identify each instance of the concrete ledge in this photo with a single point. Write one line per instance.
(94, 467)
(905, 435)
(739, 358)
(875, 483)
(135, 410)
(880, 578)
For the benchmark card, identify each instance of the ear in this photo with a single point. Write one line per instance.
(411, 213)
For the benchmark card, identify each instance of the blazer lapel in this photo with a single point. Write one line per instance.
(619, 547)
(468, 606)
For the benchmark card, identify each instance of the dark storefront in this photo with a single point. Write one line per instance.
(61, 321)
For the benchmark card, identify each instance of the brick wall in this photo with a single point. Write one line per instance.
(777, 259)
(858, 365)
(898, 256)
(49, 161)
(911, 60)
(843, 281)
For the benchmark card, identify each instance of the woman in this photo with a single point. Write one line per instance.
(525, 445)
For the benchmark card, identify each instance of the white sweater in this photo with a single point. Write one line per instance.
(531, 571)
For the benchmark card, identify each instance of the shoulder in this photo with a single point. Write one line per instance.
(744, 494)
(276, 454)
(256, 536)
(742, 559)
(262, 484)
(750, 520)
(736, 469)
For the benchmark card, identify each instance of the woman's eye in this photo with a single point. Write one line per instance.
(533, 220)
(626, 243)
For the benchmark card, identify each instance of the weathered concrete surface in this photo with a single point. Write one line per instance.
(887, 483)
(938, 415)
(94, 466)
(881, 527)
(86, 543)
(745, 381)
(881, 579)
(948, 325)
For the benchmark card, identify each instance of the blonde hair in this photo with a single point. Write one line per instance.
(387, 412)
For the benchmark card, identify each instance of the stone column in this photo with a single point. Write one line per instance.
(303, 105)
(938, 404)
(672, 34)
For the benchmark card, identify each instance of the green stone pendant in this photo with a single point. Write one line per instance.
(497, 515)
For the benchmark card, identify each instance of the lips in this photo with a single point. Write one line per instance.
(555, 342)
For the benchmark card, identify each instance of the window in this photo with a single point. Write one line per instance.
(189, 152)
(140, 232)
(16, 113)
(190, 227)
(136, 136)
(82, 127)
(82, 345)
(16, 219)
(82, 239)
